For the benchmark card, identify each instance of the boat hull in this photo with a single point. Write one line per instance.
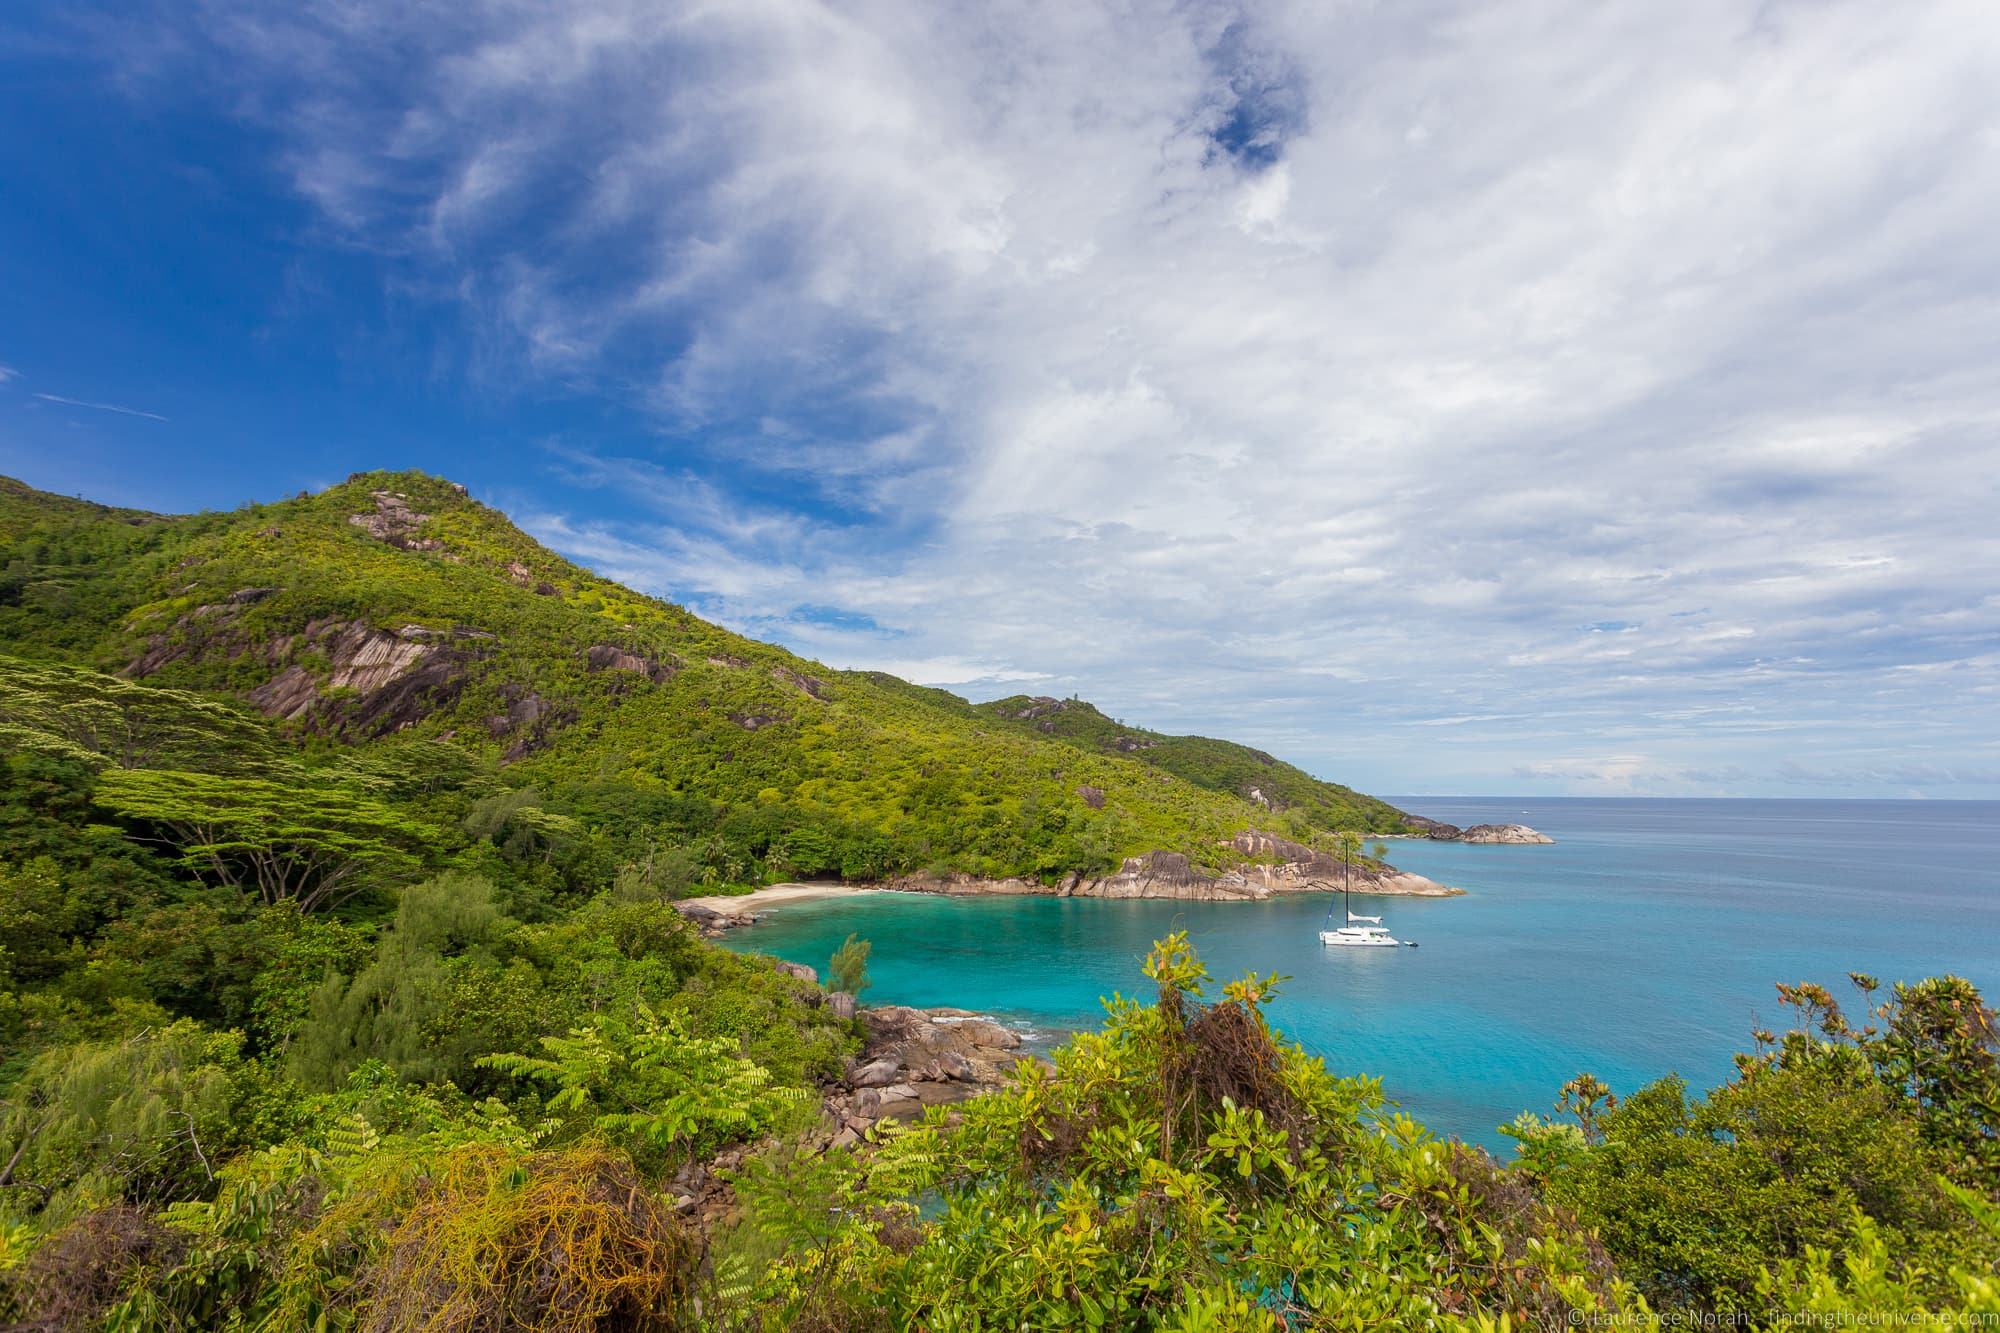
(1344, 941)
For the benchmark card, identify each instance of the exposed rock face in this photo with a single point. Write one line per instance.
(811, 685)
(530, 719)
(394, 522)
(756, 721)
(1512, 834)
(608, 657)
(799, 970)
(390, 678)
(1091, 796)
(290, 693)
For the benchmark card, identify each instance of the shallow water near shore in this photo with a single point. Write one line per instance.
(1646, 941)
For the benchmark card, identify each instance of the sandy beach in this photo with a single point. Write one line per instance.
(772, 895)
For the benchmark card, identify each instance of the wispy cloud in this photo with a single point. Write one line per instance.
(1596, 381)
(8, 373)
(100, 407)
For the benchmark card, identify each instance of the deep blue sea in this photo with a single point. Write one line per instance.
(1646, 941)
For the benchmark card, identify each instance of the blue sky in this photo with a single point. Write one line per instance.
(1451, 397)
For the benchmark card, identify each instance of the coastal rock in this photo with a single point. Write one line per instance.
(949, 1067)
(876, 1073)
(1162, 874)
(1517, 834)
(841, 1005)
(914, 1058)
(799, 970)
(712, 923)
(1508, 834)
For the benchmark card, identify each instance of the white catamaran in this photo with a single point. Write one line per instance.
(1360, 932)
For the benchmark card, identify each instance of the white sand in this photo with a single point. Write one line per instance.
(773, 895)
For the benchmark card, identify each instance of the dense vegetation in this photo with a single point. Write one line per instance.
(394, 605)
(1223, 766)
(341, 987)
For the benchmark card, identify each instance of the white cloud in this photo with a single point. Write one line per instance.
(1313, 374)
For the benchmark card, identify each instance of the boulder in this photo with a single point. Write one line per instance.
(982, 1032)
(877, 1073)
(799, 970)
(949, 1067)
(841, 1003)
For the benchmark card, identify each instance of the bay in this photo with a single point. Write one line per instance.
(1646, 941)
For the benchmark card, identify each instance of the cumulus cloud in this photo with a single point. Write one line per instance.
(1422, 391)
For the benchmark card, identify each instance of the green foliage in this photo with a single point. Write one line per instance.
(1822, 1157)
(1181, 1168)
(1867, 1277)
(314, 844)
(1696, 1196)
(148, 1119)
(1934, 1045)
(408, 1008)
(41, 920)
(847, 970)
(652, 1088)
(71, 712)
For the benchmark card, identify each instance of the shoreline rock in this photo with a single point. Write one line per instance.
(914, 1059)
(1280, 866)
(1514, 835)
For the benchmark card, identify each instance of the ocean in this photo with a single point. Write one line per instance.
(1646, 941)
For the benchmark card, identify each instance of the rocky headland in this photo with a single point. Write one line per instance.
(1268, 865)
(1509, 834)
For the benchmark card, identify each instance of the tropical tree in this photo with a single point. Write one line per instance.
(316, 844)
(847, 970)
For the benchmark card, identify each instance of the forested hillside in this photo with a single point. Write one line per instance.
(396, 606)
(1224, 766)
(342, 987)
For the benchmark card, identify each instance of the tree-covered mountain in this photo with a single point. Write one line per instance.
(1224, 766)
(395, 608)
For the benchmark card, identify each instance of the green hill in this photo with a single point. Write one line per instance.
(395, 609)
(1305, 802)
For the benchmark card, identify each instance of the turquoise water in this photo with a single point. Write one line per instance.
(1646, 941)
